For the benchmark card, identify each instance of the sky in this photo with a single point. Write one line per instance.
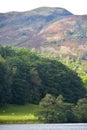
(75, 6)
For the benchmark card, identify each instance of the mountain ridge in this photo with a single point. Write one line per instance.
(44, 27)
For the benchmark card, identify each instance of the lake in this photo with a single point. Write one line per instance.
(44, 127)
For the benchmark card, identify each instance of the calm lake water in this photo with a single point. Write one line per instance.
(45, 127)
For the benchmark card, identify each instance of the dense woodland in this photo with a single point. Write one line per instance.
(26, 77)
(56, 110)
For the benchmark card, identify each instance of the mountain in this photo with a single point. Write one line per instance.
(67, 36)
(54, 30)
(21, 29)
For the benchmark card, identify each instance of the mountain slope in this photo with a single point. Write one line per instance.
(67, 36)
(46, 29)
(20, 28)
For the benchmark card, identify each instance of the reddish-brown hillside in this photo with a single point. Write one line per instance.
(49, 30)
(67, 36)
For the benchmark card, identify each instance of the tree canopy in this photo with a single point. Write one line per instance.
(56, 110)
(26, 77)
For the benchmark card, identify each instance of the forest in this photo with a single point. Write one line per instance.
(26, 77)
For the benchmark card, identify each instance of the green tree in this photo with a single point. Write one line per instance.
(7, 51)
(58, 79)
(47, 100)
(40, 75)
(20, 80)
(5, 82)
(81, 110)
(47, 111)
(19, 91)
(84, 79)
(55, 110)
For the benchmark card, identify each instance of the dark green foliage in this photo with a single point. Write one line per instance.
(7, 51)
(57, 111)
(58, 79)
(5, 84)
(81, 110)
(19, 91)
(27, 77)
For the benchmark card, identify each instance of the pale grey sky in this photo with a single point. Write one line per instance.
(75, 6)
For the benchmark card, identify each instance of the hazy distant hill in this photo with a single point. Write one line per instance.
(46, 29)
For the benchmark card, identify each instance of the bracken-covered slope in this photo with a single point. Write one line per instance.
(67, 36)
(21, 29)
(45, 29)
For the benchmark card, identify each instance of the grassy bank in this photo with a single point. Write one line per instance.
(19, 114)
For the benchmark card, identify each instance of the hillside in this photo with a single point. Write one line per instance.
(67, 36)
(21, 29)
(26, 77)
(54, 30)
